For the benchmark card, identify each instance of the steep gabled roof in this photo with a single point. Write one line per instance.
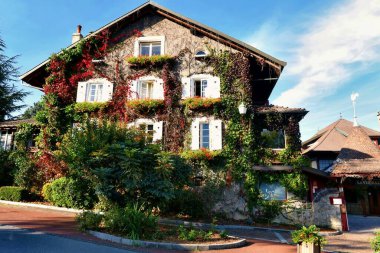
(30, 77)
(333, 137)
(359, 146)
(359, 157)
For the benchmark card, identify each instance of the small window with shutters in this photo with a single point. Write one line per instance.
(94, 90)
(204, 135)
(200, 87)
(149, 131)
(145, 89)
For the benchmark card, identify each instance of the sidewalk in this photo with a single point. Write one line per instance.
(63, 224)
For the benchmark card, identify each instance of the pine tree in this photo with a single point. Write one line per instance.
(10, 97)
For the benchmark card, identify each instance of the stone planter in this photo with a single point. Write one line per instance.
(305, 247)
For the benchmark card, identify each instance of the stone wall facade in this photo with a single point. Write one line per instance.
(320, 212)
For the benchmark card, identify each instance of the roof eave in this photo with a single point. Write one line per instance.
(281, 64)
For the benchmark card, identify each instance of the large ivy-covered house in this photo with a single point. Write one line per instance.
(150, 36)
(188, 86)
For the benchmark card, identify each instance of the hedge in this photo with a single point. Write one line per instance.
(13, 193)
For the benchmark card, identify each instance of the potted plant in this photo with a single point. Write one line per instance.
(308, 239)
(375, 242)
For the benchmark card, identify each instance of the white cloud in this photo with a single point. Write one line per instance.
(335, 46)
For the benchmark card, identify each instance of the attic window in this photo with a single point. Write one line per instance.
(200, 54)
(149, 46)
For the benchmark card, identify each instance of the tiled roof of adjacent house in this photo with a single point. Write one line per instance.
(333, 137)
(280, 109)
(359, 156)
(15, 123)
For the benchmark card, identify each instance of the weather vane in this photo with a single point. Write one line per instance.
(354, 96)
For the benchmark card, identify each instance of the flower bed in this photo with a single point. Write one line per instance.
(133, 224)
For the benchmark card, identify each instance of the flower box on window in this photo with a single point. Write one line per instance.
(148, 61)
(147, 107)
(201, 104)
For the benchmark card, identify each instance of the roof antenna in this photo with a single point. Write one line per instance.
(354, 96)
(340, 115)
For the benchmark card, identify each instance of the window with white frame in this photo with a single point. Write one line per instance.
(204, 135)
(94, 92)
(150, 48)
(145, 89)
(200, 86)
(273, 191)
(149, 131)
(5, 140)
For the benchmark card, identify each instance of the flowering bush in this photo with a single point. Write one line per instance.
(149, 61)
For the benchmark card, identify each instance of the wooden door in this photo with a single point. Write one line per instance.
(374, 201)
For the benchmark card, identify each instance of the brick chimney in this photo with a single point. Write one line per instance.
(77, 36)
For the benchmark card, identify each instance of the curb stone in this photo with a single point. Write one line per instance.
(223, 227)
(55, 208)
(167, 245)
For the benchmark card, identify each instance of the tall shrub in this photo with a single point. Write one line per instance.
(120, 165)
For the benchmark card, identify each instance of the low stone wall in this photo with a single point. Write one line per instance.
(319, 212)
(233, 205)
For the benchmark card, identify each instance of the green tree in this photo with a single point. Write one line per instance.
(31, 111)
(10, 97)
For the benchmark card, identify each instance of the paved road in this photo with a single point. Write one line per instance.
(19, 223)
(357, 240)
(16, 240)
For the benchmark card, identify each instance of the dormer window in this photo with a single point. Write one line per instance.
(150, 48)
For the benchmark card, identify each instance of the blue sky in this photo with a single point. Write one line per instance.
(332, 47)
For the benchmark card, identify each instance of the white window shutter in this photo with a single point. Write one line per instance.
(107, 91)
(134, 89)
(216, 135)
(213, 87)
(186, 87)
(195, 135)
(81, 92)
(158, 129)
(158, 89)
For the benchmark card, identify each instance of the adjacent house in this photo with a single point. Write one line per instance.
(8, 130)
(350, 155)
(324, 147)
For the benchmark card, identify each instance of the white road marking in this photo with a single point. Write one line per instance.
(280, 237)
